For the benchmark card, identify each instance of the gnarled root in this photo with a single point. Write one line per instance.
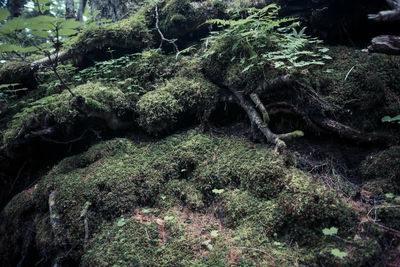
(262, 124)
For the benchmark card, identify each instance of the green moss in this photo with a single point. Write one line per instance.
(57, 108)
(14, 71)
(389, 214)
(268, 213)
(382, 171)
(159, 109)
(370, 92)
(130, 32)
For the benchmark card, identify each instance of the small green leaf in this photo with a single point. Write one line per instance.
(330, 231)
(146, 211)
(218, 191)
(214, 233)
(168, 218)
(389, 195)
(397, 199)
(121, 222)
(337, 253)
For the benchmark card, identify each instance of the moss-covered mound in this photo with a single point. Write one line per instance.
(56, 110)
(359, 88)
(130, 33)
(187, 200)
(382, 172)
(160, 109)
(19, 73)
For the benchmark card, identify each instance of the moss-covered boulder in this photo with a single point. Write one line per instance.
(56, 110)
(19, 73)
(129, 34)
(156, 199)
(359, 88)
(160, 109)
(382, 171)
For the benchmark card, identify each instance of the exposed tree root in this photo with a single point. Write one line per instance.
(319, 125)
(259, 114)
(277, 139)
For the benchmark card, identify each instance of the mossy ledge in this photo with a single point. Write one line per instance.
(147, 203)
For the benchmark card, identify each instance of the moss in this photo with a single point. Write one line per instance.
(388, 214)
(176, 192)
(382, 171)
(15, 72)
(164, 191)
(56, 108)
(370, 92)
(159, 109)
(131, 32)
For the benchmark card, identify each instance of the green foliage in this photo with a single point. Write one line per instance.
(134, 74)
(330, 231)
(262, 39)
(337, 253)
(4, 13)
(36, 35)
(389, 119)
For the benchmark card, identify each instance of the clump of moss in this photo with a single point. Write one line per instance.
(129, 242)
(131, 32)
(9, 71)
(359, 88)
(382, 171)
(264, 204)
(56, 109)
(159, 109)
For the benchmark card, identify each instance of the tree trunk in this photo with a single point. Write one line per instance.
(15, 7)
(69, 9)
(109, 9)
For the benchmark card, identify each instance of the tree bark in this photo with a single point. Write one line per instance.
(15, 7)
(109, 9)
(81, 10)
(387, 44)
(69, 9)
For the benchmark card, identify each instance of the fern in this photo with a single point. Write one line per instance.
(262, 38)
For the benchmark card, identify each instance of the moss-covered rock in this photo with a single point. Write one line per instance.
(17, 72)
(167, 192)
(131, 33)
(382, 171)
(160, 109)
(55, 110)
(359, 88)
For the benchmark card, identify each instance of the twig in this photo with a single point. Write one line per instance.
(347, 75)
(161, 34)
(66, 142)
